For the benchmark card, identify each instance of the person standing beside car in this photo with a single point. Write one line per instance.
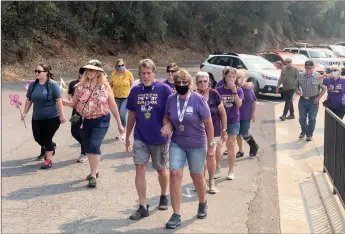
(288, 77)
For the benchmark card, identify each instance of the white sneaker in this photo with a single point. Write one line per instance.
(230, 176)
(217, 173)
(82, 158)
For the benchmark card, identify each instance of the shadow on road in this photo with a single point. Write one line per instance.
(297, 144)
(46, 190)
(92, 225)
(17, 167)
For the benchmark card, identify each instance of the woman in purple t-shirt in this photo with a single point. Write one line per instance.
(336, 92)
(232, 98)
(218, 115)
(192, 140)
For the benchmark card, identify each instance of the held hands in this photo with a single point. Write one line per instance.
(66, 102)
(121, 129)
(166, 130)
(316, 100)
(298, 92)
(23, 117)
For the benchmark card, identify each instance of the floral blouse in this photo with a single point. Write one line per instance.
(96, 105)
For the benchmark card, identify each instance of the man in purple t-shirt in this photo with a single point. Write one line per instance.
(146, 104)
(171, 69)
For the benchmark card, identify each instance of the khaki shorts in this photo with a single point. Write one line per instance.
(158, 153)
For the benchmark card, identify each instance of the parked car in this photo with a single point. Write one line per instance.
(298, 60)
(318, 55)
(263, 74)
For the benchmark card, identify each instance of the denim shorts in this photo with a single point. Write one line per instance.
(233, 129)
(158, 153)
(244, 128)
(178, 156)
(93, 133)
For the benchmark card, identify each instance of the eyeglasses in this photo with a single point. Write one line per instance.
(38, 71)
(183, 82)
(171, 71)
(122, 65)
(202, 81)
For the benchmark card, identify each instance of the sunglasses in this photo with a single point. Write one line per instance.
(181, 82)
(38, 71)
(202, 81)
(171, 71)
(121, 65)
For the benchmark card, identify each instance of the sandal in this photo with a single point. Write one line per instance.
(89, 176)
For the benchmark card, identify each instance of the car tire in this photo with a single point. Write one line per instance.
(256, 87)
(213, 83)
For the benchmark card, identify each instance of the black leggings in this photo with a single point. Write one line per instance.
(44, 130)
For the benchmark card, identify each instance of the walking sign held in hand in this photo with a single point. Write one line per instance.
(14, 100)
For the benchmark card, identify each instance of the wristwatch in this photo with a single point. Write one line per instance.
(224, 130)
(212, 144)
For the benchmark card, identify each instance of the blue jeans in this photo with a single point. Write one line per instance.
(121, 105)
(178, 156)
(93, 133)
(307, 108)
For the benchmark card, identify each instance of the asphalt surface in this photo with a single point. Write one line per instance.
(57, 200)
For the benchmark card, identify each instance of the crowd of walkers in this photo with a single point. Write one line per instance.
(176, 120)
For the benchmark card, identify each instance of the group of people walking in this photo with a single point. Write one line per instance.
(172, 122)
(311, 86)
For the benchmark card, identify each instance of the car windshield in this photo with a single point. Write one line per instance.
(318, 54)
(296, 59)
(258, 63)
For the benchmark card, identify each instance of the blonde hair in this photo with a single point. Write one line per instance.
(183, 75)
(228, 69)
(101, 78)
(147, 63)
(119, 61)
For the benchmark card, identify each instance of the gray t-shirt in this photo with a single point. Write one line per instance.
(289, 77)
(44, 107)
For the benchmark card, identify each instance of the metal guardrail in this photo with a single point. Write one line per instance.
(334, 152)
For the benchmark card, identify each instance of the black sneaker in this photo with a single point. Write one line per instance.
(202, 211)
(239, 154)
(92, 182)
(290, 117)
(47, 164)
(302, 135)
(173, 222)
(282, 118)
(140, 213)
(309, 138)
(163, 203)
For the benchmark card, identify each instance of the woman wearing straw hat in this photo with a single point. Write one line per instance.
(93, 99)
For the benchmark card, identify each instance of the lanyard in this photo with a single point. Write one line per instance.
(179, 113)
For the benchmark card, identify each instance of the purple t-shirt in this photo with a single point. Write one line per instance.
(194, 134)
(149, 106)
(336, 91)
(232, 112)
(220, 83)
(171, 85)
(213, 102)
(246, 109)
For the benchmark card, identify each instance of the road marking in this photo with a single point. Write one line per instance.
(188, 193)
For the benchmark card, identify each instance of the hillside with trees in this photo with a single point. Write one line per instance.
(63, 32)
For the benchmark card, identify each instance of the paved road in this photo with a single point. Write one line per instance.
(58, 200)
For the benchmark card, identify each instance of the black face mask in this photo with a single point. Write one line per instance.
(182, 90)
